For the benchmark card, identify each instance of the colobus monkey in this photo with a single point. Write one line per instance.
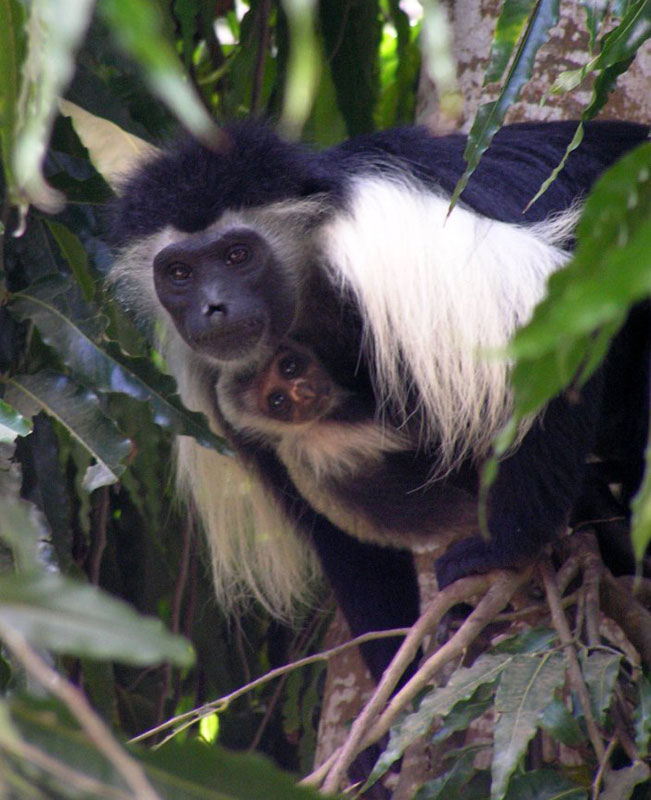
(333, 322)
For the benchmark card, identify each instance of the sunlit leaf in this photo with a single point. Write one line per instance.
(12, 423)
(113, 151)
(55, 29)
(304, 65)
(12, 46)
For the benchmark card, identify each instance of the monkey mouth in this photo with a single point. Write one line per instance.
(229, 342)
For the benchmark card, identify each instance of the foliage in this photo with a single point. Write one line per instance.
(86, 417)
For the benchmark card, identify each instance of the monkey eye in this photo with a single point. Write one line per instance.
(236, 255)
(291, 366)
(278, 403)
(178, 272)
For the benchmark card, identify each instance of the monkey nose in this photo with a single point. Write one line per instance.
(304, 390)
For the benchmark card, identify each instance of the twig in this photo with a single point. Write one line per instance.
(592, 569)
(95, 729)
(368, 728)
(596, 783)
(573, 669)
(191, 717)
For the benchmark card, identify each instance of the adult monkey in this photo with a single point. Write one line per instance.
(349, 256)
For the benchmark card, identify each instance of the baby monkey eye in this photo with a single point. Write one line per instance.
(278, 402)
(179, 272)
(291, 366)
(236, 255)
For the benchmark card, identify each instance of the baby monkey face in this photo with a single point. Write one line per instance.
(294, 387)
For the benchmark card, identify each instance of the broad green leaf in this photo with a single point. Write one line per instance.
(12, 47)
(304, 65)
(545, 784)
(641, 505)
(600, 671)
(524, 690)
(77, 409)
(20, 527)
(464, 712)
(72, 617)
(73, 329)
(611, 269)
(643, 716)
(351, 34)
(462, 685)
(194, 772)
(113, 151)
(559, 723)
(137, 27)
(510, 26)
(189, 771)
(453, 781)
(619, 784)
(542, 16)
(75, 255)
(55, 29)
(12, 423)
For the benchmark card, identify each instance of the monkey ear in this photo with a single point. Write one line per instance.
(114, 152)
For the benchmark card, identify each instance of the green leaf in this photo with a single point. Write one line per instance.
(462, 685)
(524, 691)
(600, 671)
(541, 16)
(641, 506)
(54, 32)
(75, 255)
(73, 329)
(619, 784)
(138, 29)
(643, 716)
(20, 526)
(617, 50)
(304, 64)
(12, 423)
(189, 771)
(557, 721)
(544, 784)
(71, 617)
(194, 772)
(351, 34)
(611, 269)
(509, 29)
(453, 781)
(77, 409)
(12, 47)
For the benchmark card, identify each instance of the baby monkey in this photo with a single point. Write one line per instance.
(294, 387)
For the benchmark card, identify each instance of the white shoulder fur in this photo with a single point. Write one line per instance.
(439, 295)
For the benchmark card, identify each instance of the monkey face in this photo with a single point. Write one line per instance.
(226, 292)
(294, 387)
